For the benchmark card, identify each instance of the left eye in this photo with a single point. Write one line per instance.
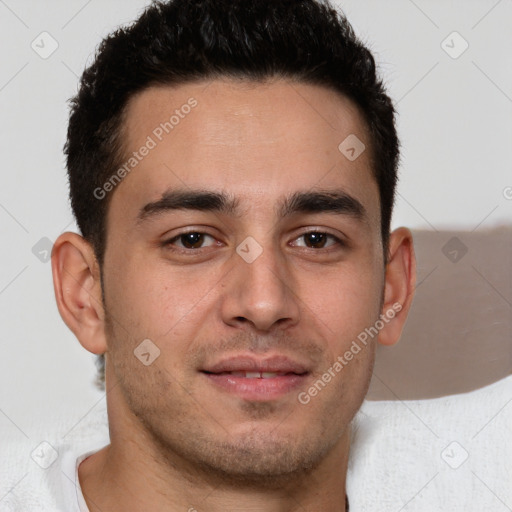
(192, 240)
(318, 239)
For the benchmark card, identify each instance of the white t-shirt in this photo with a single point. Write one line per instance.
(72, 465)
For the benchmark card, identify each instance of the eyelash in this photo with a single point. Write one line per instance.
(169, 243)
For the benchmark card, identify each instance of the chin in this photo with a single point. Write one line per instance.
(264, 459)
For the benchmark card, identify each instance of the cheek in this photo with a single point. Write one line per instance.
(344, 302)
(167, 307)
(150, 297)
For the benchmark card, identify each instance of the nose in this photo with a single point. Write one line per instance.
(260, 293)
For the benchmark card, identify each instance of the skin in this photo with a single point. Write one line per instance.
(177, 441)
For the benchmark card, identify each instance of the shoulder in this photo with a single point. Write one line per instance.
(38, 478)
(38, 464)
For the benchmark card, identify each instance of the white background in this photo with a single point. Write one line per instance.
(454, 124)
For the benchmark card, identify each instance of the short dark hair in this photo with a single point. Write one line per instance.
(181, 41)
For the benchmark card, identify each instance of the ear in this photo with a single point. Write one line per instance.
(77, 285)
(400, 282)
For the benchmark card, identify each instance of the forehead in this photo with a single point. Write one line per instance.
(228, 113)
(257, 140)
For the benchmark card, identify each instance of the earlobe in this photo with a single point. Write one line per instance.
(77, 286)
(400, 282)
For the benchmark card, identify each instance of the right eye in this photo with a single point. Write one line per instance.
(189, 240)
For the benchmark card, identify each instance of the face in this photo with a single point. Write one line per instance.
(246, 247)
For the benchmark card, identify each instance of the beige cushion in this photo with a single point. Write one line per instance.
(458, 336)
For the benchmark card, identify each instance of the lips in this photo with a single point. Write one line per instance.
(255, 379)
(250, 365)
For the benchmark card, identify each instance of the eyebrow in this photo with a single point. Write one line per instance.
(321, 201)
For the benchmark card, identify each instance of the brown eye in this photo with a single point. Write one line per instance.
(318, 240)
(190, 240)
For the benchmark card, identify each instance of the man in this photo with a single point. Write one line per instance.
(232, 169)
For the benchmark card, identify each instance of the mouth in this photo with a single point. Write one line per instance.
(255, 375)
(257, 380)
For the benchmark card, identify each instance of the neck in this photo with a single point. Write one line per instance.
(117, 479)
